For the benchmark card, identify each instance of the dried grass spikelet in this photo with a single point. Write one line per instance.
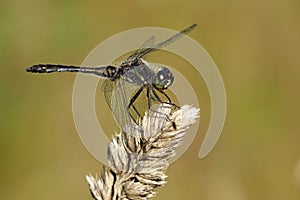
(138, 155)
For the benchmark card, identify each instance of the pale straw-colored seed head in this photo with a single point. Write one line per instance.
(138, 156)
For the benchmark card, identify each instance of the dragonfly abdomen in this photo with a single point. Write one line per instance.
(49, 68)
(109, 72)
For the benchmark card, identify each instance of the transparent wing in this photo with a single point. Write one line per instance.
(146, 44)
(142, 52)
(108, 87)
(119, 101)
(119, 93)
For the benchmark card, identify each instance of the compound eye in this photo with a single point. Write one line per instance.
(164, 78)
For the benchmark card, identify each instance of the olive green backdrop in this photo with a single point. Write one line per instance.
(256, 45)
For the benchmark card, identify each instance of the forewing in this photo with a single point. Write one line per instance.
(148, 43)
(142, 52)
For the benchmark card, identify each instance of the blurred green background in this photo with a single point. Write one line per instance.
(255, 45)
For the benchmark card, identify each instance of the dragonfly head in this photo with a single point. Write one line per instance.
(163, 79)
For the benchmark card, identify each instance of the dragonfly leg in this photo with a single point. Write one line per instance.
(131, 104)
(149, 97)
(169, 100)
(137, 112)
(160, 101)
(156, 98)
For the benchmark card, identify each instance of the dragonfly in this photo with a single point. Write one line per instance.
(126, 82)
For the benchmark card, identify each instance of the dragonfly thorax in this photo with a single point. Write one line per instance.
(163, 78)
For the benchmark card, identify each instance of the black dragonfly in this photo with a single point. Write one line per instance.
(125, 83)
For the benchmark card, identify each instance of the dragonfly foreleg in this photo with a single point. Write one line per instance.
(158, 99)
(169, 100)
